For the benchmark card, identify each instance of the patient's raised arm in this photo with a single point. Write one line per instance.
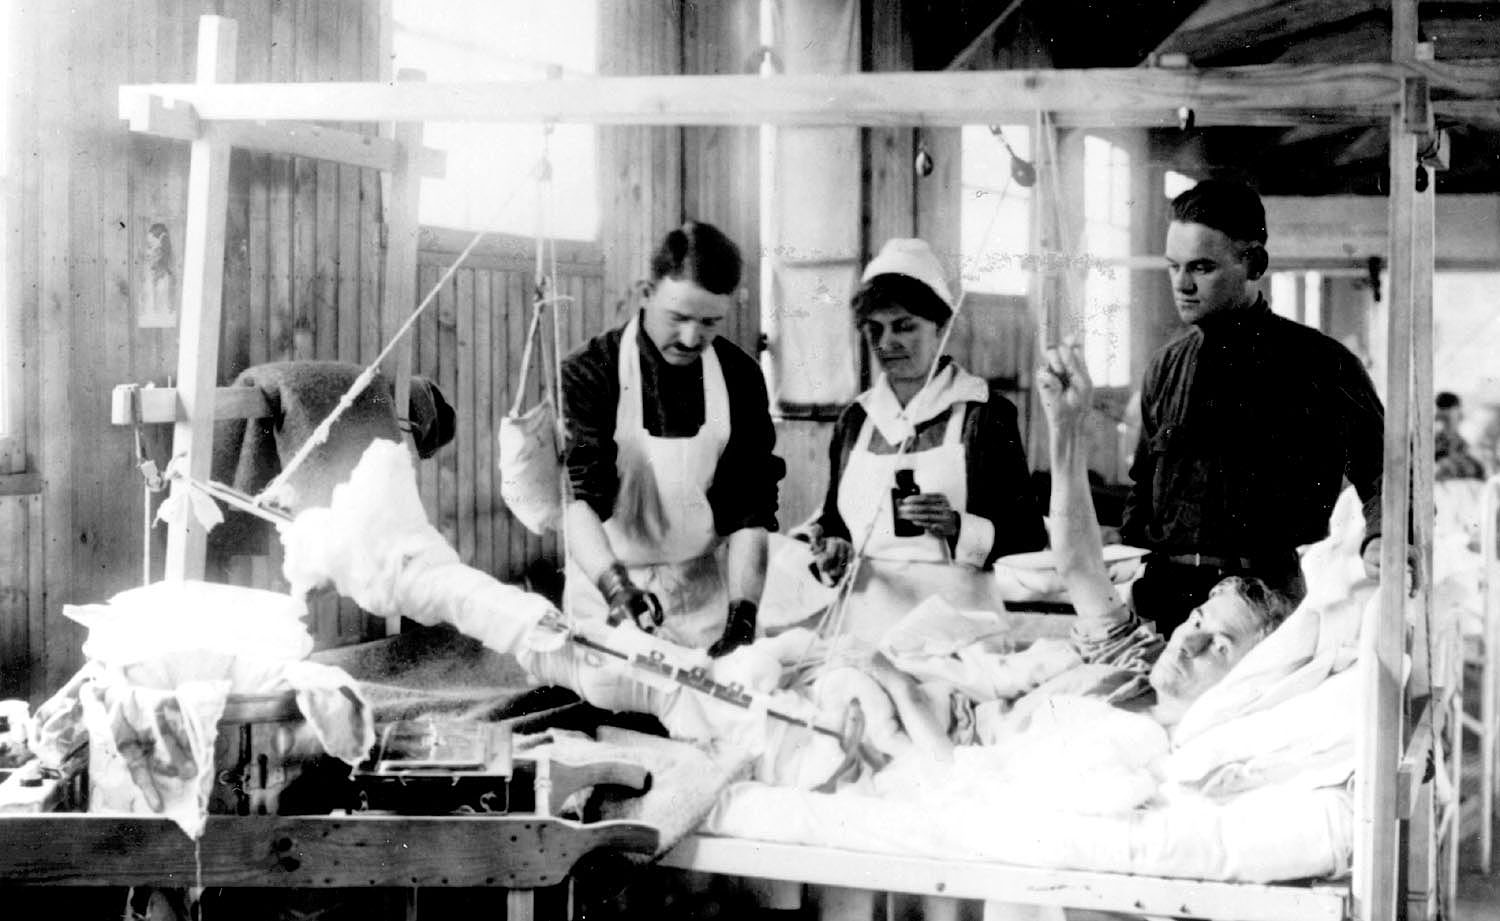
(1066, 394)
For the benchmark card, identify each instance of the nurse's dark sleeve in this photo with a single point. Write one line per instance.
(590, 387)
(746, 487)
(999, 481)
(839, 445)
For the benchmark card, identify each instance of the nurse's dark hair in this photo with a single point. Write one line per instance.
(699, 253)
(1270, 607)
(892, 290)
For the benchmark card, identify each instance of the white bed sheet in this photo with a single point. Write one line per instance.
(1268, 835)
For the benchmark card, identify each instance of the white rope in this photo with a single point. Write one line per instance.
(320, 434)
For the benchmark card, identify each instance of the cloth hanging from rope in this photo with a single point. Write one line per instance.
(529, 458)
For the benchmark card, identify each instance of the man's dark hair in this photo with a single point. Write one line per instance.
(700, 253)
(1270, 606)
(893, 290)
(1447, 400)
(1232, 208)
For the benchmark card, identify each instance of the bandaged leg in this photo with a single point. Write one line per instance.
(374, 544)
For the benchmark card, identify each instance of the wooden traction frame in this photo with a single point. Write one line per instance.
(1399, 91)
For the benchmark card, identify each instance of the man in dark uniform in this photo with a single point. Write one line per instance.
(1250, 422)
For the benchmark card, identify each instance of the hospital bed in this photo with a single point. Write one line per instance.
(330, 851)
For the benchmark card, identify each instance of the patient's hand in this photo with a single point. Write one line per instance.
(831, 556)
(1370, 556)
(1064, 384)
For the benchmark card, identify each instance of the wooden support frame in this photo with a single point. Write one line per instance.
(1141, 96)
(979, 880)
(1265, 94)
(203, 288)
(517, 852)
(169, 118)
(196, 403)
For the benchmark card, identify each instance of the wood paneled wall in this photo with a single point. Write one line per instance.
(652, 179)
(93, 206)
(472, 345)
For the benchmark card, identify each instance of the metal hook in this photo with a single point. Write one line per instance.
(924, 164)
(1022, 171)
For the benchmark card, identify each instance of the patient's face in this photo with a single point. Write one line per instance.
(1215, 637)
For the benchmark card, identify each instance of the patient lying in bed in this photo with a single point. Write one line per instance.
(1112, 655)
(1116, 680)
(1222, 753)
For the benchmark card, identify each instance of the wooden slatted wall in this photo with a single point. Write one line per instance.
(303, 257)
(472, 345)
(93, 203)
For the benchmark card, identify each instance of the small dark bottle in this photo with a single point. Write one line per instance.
(906, 485)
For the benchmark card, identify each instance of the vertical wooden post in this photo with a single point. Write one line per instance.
(520, 905)
(403, 232)
(202, 300)
(1375, 853)
(1424, 515)
(1375, 847)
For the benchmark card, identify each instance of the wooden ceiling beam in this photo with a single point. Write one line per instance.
(164, 117)
(1371, 143)
(1113, 96)
(1223, 27)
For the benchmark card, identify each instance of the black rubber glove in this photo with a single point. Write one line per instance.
(739, 629)
(626, 600)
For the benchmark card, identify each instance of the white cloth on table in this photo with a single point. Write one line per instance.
(163, 661)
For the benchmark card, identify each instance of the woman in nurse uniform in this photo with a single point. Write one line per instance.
(934, 517)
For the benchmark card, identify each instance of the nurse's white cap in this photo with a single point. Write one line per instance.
(913, 258)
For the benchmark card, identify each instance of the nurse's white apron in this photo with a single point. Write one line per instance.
(898, 573)
(683, 564)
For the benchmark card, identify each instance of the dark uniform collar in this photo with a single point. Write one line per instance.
(1237, 317)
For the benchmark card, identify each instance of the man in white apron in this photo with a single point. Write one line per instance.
(670, 459)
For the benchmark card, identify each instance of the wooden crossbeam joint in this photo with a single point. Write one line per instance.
(1416, 105)
(1417, 764)
(170, 117)
(131, 404)
(164, 116)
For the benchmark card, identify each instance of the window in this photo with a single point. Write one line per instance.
(1466, 334)
(996, 211)
(1106, 223)
(1298, 296)
(1175, 183)
(12, 453)
(491, 179)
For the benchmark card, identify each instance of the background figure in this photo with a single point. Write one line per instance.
(1481, 430)
(1450, 451)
